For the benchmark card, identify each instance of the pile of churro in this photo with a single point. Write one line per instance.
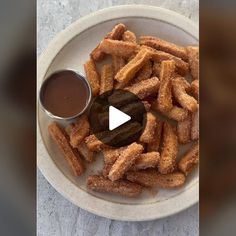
(165, 76)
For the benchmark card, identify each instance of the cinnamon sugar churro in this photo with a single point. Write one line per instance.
(149, 131)
(144, 73)
(92, 76)
(85, 152)
(145, 88)
(165, 95)
(146, 160)
(107, 75)
(117, 63)
(125, 161)
(127, 73)
(79, 131)
(118, 48)
(193, 58)
(169, 152)
(120, 187)
(116, 33)
(189, 160)
(184, 130)
(195, 88)
(164, 46)
(195, 125)
(152, 178)
(180, 85)
(60, 138)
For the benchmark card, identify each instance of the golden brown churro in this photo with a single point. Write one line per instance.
(93, 143)
(146, 160)
(193, 58)
(195, 125)
(165, 95)
(120, 187)
(149, 130)
(106, 169)
(85, 152)
(60, 138)
(180, 85)
(127, 73)
(112, 154)
(118, 63)
(118, 48)
(189, 160)
(155, 144)
(107, 77)
(144, 73)
(79, 131)
(184, 130)
(129, 36)
(116, 33)
(165, 46)
(182, 67)
(195, 88)
(156, 69)
(152, 178)
(145, 88)
(125, 161)
(92, 76)
(169, 152)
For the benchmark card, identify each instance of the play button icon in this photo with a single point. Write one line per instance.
(117, 118)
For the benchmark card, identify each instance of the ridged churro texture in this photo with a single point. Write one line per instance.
(107, 77)
(152, 178)
(117, 63)
(169, 151)
(93, 76)
(60, 138)
(121, 187)
(193, 59)
(165, 95)
(190, 159)
(129, 36)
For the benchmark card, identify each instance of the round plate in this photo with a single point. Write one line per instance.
(70, 49)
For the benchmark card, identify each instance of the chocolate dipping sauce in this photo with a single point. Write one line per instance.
(65, 94)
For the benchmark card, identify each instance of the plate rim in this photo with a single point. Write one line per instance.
(47, 166)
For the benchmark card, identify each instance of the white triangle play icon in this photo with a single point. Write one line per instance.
(117, 118)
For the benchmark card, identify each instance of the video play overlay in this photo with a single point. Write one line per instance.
(117, 118)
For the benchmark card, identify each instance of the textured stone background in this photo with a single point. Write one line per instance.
(56, 215)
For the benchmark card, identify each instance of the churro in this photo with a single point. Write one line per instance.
(195, 88)
(152, 178)
(195, 125)
(112, 154)
(180, 85)
(184, 130)
(70, 154)
(145, 88)
(182, 67)
(129, 36)
(125, 161)
(165, 95)
(155, 144)
(193, 59)
(156, 69)
(118, 48)
(150, 127)
(144, 73)
(106, 83)
(189, 160)
(85, 152)
(165, 46)
(117, 63)
(116, 33)
(92, 76)
(169, 152)
(93, 143)
(120, 187)
(79, 131)
(127, 73)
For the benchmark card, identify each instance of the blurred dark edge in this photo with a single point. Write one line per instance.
(218, 117)
(18, 118)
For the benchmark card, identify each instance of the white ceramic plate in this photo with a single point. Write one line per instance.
(70, 49)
